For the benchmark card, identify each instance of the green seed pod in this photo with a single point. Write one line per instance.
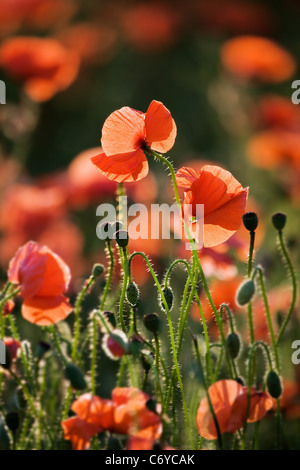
(168, 293)
(97, 269)
(75, 376)
(122, 238)
(279, 220)
(12, 421)
(274, 384)
(250, 221)
(245, 292)
(233, 345)
(132, 294)
(152, 322)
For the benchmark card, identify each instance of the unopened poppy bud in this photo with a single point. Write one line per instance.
(152, 322)
(12, 420)
(279, 220)
(250, 221)
(233, 345)
(117, 225)
(75, 376)
(4, 437)
(274, 384)
(115, 344)
(132, 294)
(113, 444)
(122, 238)
(97, 269)
(151, 405)
(245, 292)
(41, 349)
(168, 293)
(8, 307)
(111, 318)
(135, 345)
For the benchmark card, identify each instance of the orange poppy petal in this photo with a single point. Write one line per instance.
(27, 268)
(123, 131)
(185, 177)
(128, 167)
(94, 410)
(79, 432)
(45, 311)
(161, 129)
(260, 404)
(139, 443)
(57, 275)
(223, 395)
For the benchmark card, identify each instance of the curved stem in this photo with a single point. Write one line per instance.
(294, 286)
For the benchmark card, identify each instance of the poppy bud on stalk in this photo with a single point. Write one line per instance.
(97, 269)
(245, 292)
(233, 345)
(75, 376)
(279, 220)
(132, 294)
(250, 221)
(274, 384)
(152, 322)
(168, 293)
(115, 344)
(122, 238)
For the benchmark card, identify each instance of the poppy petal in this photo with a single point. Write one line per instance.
(79, 432)
(27, 268)
(94, 410)
(185, 177)
(57, 275)
(123, 131)
(45, 311)
(161, 129)
(128, 167)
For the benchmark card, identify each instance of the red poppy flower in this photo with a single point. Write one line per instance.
(223, 197)
(254, 57)
(43, 277)
(229, 400)
(126, 413)
(44, 66)
(126, 133)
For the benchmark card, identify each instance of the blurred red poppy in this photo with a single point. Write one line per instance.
(43, 65)
(254, 57)
(125, 413)
(229, 400)
(223, 198)
(43, 277)
(126, 133)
